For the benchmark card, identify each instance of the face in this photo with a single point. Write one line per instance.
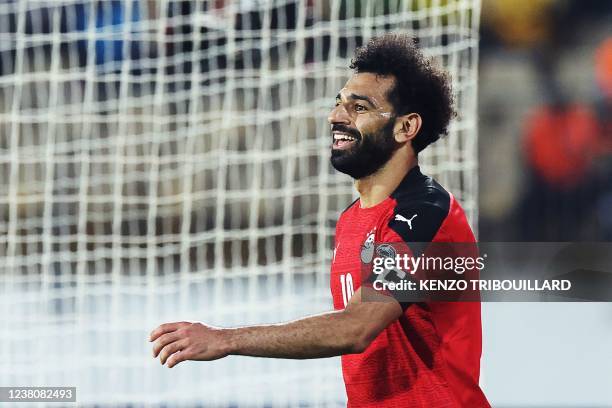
(362, 125)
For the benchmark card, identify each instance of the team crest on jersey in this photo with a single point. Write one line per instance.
(367, 249)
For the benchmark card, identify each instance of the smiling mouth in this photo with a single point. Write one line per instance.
(343, 140)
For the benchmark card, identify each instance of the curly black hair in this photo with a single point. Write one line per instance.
(419, 86)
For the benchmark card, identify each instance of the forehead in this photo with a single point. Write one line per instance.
(369, 84)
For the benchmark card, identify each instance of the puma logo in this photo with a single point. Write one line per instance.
(399, 217)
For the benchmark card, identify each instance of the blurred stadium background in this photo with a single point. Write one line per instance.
(168, 160)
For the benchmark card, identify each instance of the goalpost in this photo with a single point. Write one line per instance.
(169, 160)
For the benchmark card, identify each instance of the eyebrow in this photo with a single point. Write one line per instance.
(359, 97)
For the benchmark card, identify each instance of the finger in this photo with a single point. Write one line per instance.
(164, 340)
(172, 348)
(165, 328)
(177, 357)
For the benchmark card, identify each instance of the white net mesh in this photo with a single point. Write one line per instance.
(168, 160)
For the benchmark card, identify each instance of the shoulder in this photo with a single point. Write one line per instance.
(347, 211)
(419, 210)
(351, 205)
(345, 215)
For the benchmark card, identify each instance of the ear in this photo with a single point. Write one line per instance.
(407, 127)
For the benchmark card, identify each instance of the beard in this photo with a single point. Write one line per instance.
(369, 152)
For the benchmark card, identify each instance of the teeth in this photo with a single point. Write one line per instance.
(343, 136)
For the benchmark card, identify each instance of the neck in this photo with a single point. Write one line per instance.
(375, 188)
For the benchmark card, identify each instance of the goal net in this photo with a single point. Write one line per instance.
(169, 160)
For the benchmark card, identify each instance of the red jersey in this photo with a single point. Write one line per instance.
(430, 356)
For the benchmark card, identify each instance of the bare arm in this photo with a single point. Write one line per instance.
(329, 334)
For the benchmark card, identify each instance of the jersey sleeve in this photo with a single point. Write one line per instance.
(417, 217)
(406, 231)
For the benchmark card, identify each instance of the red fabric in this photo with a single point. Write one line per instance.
(430, 356)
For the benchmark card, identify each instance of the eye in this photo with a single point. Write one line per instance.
(359, 108)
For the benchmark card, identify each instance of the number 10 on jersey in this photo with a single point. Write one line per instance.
(346, 283)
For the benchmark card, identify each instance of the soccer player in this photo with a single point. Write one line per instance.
(424, 354)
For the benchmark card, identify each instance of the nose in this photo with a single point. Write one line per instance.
(339, 114)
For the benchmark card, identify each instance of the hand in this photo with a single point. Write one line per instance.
(180, 341)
